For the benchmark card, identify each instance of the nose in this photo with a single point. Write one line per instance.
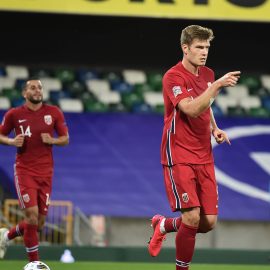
(205, 51)
(37, 89)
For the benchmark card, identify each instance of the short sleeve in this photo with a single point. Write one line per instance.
(7, 124)
(174, 87)
(60, 123)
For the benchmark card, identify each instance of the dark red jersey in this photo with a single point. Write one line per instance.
(34, 157)
(185, 139)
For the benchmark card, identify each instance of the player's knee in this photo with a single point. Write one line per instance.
(40, 225)
(207, 229)
(32, 220)
(191, 217)
(208, 225)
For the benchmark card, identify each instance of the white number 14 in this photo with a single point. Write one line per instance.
(26, 132)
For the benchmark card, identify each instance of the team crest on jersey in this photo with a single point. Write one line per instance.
(185, 197)
(177, 91)
(26, 198)
(48, 119)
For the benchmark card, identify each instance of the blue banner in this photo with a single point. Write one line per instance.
(112, 167)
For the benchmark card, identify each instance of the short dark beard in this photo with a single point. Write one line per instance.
(35, 101)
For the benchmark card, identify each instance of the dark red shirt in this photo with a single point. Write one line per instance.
(34, 157)
(185, 139)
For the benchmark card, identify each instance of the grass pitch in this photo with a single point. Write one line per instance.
(18, 265)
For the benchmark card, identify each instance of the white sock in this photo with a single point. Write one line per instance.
(162, 226)
(6, 236)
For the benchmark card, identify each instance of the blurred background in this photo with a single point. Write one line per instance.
(102, 63)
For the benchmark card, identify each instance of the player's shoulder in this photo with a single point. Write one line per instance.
(175, 70)
(51, 108)
(207, 70)
(15, 110)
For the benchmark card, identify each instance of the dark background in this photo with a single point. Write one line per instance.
(126, 42)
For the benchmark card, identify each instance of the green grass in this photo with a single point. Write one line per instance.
(18, 265)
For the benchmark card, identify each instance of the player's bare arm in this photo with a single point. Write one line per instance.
(60, 141)
(17, 141)
(219, 134)
(194, 107)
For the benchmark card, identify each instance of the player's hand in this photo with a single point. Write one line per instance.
(229, 79)
(17, 141)
(46, 138)
(220, 136)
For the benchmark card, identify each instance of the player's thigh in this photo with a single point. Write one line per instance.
(26, 191)
(208, 191)
(180, 183)
(44, 195)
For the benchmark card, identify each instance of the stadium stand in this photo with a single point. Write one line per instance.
(127, 90)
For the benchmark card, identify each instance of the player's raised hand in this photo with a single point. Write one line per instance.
(230, 79)
(17, 141)
(46, 138)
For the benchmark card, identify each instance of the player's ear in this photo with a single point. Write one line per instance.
(184, 48)
(23, 93)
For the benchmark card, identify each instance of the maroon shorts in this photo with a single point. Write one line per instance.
(34, 191)
(189, 185)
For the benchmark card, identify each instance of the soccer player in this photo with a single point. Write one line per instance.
(189, 88)
(34, 124)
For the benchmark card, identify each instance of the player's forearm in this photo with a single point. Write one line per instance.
(6, 140)
(194, 107)
(213, 120)
(60, 141)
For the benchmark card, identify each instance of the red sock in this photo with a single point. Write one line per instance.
(30, 238)
(172, 224)
(185, 243)
(18, 230)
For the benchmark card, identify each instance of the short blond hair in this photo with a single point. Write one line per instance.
(192, 32)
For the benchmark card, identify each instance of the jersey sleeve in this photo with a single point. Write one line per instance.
(60, 123)
(7, 124)
(175, 88)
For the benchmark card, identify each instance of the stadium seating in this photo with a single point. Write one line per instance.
(126, 90)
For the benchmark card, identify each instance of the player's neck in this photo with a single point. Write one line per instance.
(33, 107)
(190, 67)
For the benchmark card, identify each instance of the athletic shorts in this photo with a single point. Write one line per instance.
(34, 191)
(189, 185)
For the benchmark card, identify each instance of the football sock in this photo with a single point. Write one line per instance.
(172, 224)
(30, 238)
(18, 230)
(185, 243)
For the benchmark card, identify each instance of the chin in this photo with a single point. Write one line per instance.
(36, 101)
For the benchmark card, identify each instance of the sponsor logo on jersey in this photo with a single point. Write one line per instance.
(21, 120)
(48, 119)
(185, 197)
(26, 198)
(177, 91)
(189, 89)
